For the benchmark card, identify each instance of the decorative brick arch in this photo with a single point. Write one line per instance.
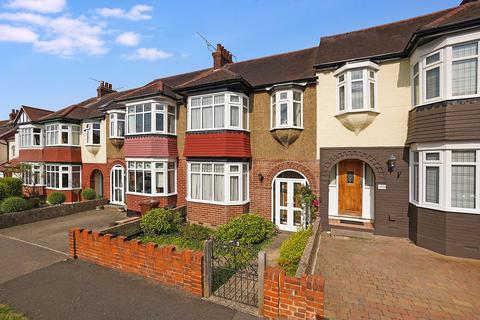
(291, 165)
(352, 154)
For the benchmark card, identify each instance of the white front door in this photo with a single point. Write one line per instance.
(117, 183)
(288, 208)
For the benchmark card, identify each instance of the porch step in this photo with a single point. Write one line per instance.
(351, 233)
(115, 206)
(352, 229)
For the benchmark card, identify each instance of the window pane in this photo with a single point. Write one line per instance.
(432, 177)
(64, 180)
(463, 156)
(372, 95)
(206, 101)
(195, 167)
(341, 98)
(297, 96)
(297, 114)
(283, 95)
(219, 116)
(234, 195)
(159, 183)
(171, 181)
(147, 127)
(432, 156)
(195, 187)
(433, 83)
(369, 176)
(274, 115)
(219, 188)
(433, 58)
(148, 182)
(159, 121)
(283, 114)
(234, 98)
(245, 118)
(244, 186)
(207, 117)
(234, 116)
(96, 137)
(219, 99)
(207, 187)
(357, 74)
(357, 95)
(75, 180)
(131, 124)
(171, 123)
(416, 90)
(463, 186)
(464, 77)
(139, 123)
(195, 102)
(415, 182)
(139, 181)
(121, 128)
(195, 121)
(465, 50)
(64, 137)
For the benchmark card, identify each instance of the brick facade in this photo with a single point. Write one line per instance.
(291, 297)
(213, 214)
(30, 191)
(183, 269)
(62, 154)
(70, 195)
(88, 170)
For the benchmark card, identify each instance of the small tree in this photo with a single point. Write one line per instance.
(309, 203)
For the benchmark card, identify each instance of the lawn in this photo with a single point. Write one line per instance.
(6, 313)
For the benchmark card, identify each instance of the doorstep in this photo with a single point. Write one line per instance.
(354, 228)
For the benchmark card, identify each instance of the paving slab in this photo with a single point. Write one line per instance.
(77, 290)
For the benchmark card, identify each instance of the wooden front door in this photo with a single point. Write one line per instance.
(350, 180)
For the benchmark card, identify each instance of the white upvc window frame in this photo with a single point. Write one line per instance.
(445, 169)
(344, 79)
(431, 66)
(89, 128)
(200, 102)
(30, 175)
(229, 171)
(168, 165)
(115, 123)
(444, 47)
(285, 97)
(27, 134)
(63, 169)
(56, 129)
(157, 107)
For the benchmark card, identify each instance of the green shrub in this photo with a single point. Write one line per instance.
(56, 198)
(34, 202)
(89, 194)
(195, 233)
(160, 221)
(10, 187)
(246, 229)
(189, 236)
(7, 313)
(13, 204)
(291, 251)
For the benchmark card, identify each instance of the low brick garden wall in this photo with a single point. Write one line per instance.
(292, 297)
(12, 219)
(181, 269)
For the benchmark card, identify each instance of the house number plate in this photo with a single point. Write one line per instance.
(382, 187)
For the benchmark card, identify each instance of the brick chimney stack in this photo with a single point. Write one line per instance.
(104, 88)
(13, 115)
(221, 57)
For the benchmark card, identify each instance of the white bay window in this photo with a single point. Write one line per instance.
(62, 135)
(30, 137)
(32, 174)
(152, 177)
(224, 110)
(356, 87)
(117, 125)
(92, 131)
(63, 177)
(446, 177)
(218, 182)
(151, 117)
(287, 109)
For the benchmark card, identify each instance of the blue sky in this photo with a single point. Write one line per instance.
(50, 48)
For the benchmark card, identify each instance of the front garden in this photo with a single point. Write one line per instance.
(7, 313)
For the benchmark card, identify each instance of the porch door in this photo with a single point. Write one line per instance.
(117, 182)
(288, 208)
(350, 179)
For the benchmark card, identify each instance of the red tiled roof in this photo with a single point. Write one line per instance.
(35, 113)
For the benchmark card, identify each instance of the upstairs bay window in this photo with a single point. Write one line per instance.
(117, 125)
(450, 72)
(218, 182)
(31, 137)
(356, 87)
(62, 135)
(151, 117)
(287, 109)
(218, 111)
(446, 178)
(92, 131)
(63, 177)
(152, 177)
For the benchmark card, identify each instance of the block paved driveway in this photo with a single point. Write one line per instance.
(37, 279)
(391, 278)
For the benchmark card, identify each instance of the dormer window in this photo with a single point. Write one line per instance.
(226, 110)
(287, 109)
(356, 87)
(151, 117)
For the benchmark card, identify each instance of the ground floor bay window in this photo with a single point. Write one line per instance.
(63, 177)
(151, 177)
(446, 177)
(224, 183)
(33, 174)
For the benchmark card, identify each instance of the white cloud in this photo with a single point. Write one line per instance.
(62, 36)
(150, 54)
(43, 6)
(17, 34)
(128, 38)
(138, 12)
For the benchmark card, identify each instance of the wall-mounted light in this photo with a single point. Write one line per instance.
(260, 177)
(391, 162)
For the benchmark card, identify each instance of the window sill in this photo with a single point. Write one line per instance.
(64, 189)
(148, 134)
(237, 203)
(31, 148)
(155, 195)
(286, 128)
(215, 130)
(445, 209)
(427, 103)
(116, 138)
(62, 146)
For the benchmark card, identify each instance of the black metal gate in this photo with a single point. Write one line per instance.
(235, 272)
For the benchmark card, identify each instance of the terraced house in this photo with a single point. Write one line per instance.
(381, 123)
